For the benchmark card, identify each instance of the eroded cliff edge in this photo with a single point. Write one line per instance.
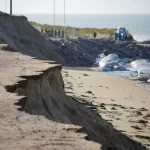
(20, 130)
(22, 37)
(39, 89)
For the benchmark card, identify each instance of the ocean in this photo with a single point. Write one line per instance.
(127, 74)
(137, 24)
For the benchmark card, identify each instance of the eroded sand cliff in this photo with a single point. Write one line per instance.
(22, 37)
(41, 93)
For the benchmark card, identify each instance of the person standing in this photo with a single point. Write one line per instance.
(52, 32)
(59, 33)
(62, 33)
(94, 34)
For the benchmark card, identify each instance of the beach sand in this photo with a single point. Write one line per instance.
(117, 100)
(71, 125)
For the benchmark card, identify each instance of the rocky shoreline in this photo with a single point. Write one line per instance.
(83, 51)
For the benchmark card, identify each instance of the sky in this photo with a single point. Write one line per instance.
(77, 6)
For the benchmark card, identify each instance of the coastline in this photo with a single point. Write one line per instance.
(127, 75)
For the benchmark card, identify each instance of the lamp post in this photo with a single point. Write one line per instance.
(64, 20)
(10, 7)
(54, 19)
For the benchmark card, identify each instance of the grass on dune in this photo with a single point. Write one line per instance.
(79, 31)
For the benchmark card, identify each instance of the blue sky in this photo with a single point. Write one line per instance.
(78, 6)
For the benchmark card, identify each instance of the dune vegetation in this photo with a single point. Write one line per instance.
(79, 31)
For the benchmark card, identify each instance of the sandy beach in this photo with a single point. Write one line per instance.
(117, 100)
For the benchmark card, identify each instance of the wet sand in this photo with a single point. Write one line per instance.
(118, 100)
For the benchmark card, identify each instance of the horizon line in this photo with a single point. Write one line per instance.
(86, 13)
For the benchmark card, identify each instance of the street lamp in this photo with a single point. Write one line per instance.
(10, 7)
(64, 20)
(54, 17)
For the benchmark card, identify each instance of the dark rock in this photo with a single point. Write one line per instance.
(83, 51)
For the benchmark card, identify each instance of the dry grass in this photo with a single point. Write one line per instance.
(79, 31)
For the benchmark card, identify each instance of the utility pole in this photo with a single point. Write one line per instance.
(64, 20)
(54, 19)
(10, 7)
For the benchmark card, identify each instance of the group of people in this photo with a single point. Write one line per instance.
(58, 33)
(53, 33)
